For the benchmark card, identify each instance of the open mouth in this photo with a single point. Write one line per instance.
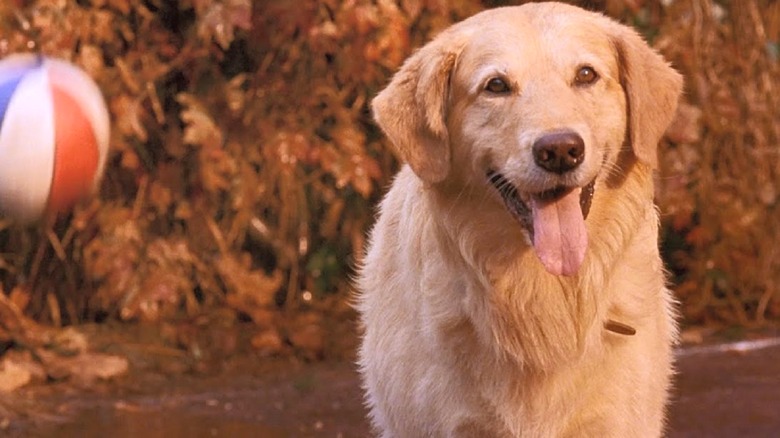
(554, 220)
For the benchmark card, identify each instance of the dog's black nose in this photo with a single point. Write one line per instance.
(559, 152)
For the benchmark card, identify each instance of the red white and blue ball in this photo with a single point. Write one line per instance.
(54, 136)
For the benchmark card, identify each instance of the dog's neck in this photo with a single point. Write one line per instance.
(491, 248)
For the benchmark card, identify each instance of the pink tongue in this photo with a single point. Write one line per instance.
(560, 237)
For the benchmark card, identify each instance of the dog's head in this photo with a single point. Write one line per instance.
(534, 102)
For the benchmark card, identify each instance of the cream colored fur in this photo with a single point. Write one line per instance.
(466, 333)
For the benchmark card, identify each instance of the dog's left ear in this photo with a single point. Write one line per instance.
(652, 90)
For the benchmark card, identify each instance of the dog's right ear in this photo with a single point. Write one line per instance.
(412, 111)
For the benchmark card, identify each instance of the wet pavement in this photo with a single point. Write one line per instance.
(730, 390)
(723, 390)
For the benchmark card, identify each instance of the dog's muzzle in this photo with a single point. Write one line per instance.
(520, 209)
(555, 226)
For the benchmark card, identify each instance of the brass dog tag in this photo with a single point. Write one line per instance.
(619, 328)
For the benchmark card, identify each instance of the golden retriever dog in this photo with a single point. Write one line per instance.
(513, 286)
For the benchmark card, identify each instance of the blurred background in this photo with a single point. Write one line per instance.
(244, 170)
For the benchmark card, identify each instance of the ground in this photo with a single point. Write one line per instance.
(725, 387)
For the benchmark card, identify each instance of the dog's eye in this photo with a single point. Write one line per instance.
(497, 86)
(586, 75)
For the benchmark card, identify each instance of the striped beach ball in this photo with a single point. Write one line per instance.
(54, 135)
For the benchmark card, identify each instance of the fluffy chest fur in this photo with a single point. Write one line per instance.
(465, 337)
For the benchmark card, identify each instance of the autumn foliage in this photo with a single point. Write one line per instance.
(244, 166)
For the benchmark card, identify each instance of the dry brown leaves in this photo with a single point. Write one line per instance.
(42, 353)
(720, 187)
